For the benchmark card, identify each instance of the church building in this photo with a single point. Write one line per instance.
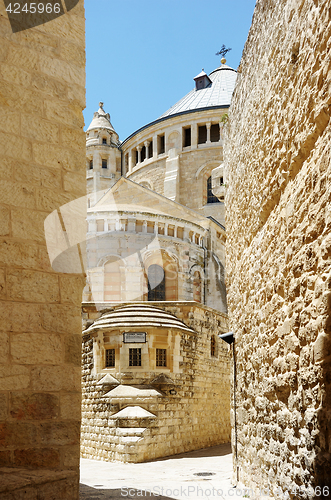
(156, 378)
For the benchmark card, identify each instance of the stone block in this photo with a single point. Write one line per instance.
(71, 289)
(66, 115)
(33, 286)
(70, 406)
(17, 434)
(3, 406)
(4, 342)
(20, 317)
(59, 433)
(73, 347)
(41, 458)
(37, 348)
(18, 254)
(4, 221)
(15, 75)
(39, 129)
(23, 196)
(3, 290)
(34, 406)
(55, 378)
(14, 377)
(60, 318)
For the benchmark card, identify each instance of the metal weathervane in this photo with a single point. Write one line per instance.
(223, 51)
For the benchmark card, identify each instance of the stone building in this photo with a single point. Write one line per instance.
(42, 141)
(155, 374)
(279, 249)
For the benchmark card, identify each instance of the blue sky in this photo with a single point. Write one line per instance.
(142, 55)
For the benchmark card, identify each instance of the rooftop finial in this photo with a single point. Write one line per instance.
(101, 105)
(223, 53)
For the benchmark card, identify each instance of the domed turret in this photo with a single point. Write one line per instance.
(103, 156)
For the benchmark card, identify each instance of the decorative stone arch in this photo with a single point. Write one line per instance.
(112, 266)
(169, 264)
(146, 184)
(202, 175)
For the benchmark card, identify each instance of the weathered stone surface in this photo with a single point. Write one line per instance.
(37, 431)
(34, 406)
(35, 348)
(278, 251)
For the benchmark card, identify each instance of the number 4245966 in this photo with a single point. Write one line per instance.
(33, 8)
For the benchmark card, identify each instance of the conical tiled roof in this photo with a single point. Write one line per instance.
(217, 94)
(101, 120)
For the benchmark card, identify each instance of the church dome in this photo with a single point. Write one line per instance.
(211, 91)
(101, 120)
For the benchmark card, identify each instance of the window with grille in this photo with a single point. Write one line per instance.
(211, 198)
(104, 163)
(161, 357)
(110, 358)
(156, 283)
(104, 141)
(134, 357)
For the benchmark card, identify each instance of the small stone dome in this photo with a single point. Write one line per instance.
(137, 316)
(101, 120)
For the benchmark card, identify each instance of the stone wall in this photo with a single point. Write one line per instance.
(279, 247)
(196, 416)
(42, 165)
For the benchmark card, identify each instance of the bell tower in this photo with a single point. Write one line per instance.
(103, 156)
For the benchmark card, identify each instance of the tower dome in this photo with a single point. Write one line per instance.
(101, 120)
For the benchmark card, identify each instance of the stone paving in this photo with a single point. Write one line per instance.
(170, 478)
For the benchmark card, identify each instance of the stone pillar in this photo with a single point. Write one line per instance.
(131, 161)
(139, 154)
(194, 136)
(147, 143)
(154, 146)
(221, 132)
(40, 358)
(208, 125)
(144, 226)
(131, 225)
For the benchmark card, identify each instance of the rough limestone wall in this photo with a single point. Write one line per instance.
(279, 246)
(196, 417)
(42, 166)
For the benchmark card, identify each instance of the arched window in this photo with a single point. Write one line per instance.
(213, 346)
(211, 198)
(156, 283)
(197, 287)
(112, 281)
